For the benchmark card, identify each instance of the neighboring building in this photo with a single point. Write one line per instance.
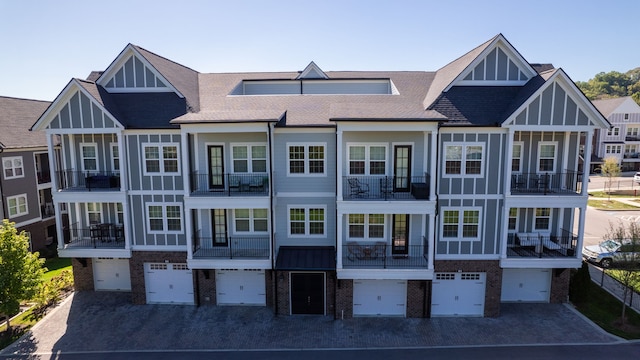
(622, 140)
(348, 193)
(25, 183)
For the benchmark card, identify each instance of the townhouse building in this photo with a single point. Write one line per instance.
(340, 193)
(25, 183)
(622, 140)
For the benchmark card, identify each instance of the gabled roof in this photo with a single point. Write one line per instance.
(16, 117)
(609, 106)
(312, 71)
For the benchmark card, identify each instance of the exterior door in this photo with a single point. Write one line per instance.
(307, 293)
(216, 167)
(400, 235)
(402, 168)
(219, 226)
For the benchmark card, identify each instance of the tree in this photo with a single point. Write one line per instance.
(611, 170)
(20, 270)
(626, 259)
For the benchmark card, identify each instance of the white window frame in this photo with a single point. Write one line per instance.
(460, 236)
(17, 205)
(97, 209)
(115, 150)
(367, 158)
(83, 158)
(161, 159)
(536, 217)
(13, 167)
(306, 159)
(615, 131)
(367, 230)
(249, 159)
(307, 221)
(119, 213)
(613, 149)
(513, 153)
(165, 219)
(463, 159)
(555, 156)
(252, 218)
(516, 217)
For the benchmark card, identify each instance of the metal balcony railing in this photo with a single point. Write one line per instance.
(542, 245)
(103, 236)
(234, 247)
(385, 187)
(237, 184)
(380, 255)
(83, 181)
(569, 182)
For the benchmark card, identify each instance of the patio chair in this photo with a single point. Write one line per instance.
(354, 251)
(357, 189)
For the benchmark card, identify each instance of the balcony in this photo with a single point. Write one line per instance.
(98, 236)
(541, 245)
(380, 255)
(385, 187)
(229, 184)
(235, 247)
(70, 180)
(547, 183)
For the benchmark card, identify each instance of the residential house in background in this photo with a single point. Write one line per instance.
(25, 183)
(342, 193)
(622, 140)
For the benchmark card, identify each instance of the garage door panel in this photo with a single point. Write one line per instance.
(379, 297)
(168, 283)
(458, 294)
(111, 274)
(240, 287)
(526, 285)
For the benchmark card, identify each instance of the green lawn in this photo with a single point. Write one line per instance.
(611, 205)
(615, 273)
(55, 266)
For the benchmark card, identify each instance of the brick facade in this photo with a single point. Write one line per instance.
(82, 274)
(206, 287)
(559, 285)
(136, 267)
(493, 281)
(418, 295)
(344, 299)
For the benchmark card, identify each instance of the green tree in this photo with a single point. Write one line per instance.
(626, 259)
(20, 270)
(611, 170)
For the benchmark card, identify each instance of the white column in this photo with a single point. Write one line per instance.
(581, 220)
(339, 233)
(507, 162)
(124, 162)
(434, 163)
(186, 174)
(188, 232)
(339, 156)
(431, 240)
(54, 190)
(586, 163)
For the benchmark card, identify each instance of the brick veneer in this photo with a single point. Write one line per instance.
(136, 267)
(344, 299)
(559, 285)
(417, 298)
(206, 287)
(82, 274)
(493, 281)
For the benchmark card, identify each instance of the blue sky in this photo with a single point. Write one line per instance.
(45, 43)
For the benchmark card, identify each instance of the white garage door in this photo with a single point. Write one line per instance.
(458, 294)
(379, 297)
(240, 287)
(111, 274)
(168, 283)
(527, 285)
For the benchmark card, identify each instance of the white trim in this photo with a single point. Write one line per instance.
(306, 172)
(17, 206)
(165, 225)
(463, 159)
(513, 145)
(517, 217)
(367, 158)
(366, 224)
(94, 145)
(249, 159)
(536, 217)
(555, 155)
(307, 221)
(13, 167)
(251, 219)
(306, 130)
(285, 194)
(460, 224)
(113, 146)
(161, 159)
(97, 210)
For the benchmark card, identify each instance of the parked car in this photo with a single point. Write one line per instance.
(610, 252)
(636, 177)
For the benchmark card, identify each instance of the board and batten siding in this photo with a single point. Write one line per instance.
(141, 236)
(304, 183)
(137, 179)
(531, 140)
(490, 228)
(81, 113)
(103, 147)
(553, 107)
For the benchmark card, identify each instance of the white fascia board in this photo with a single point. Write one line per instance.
(262, 264)
(226, 202)
(385, 274)
(227, 127)
(94, 253)
(89, 196)
(536, 263)
(415, 207)
(391, 125)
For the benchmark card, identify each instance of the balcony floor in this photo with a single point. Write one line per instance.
(530, 252)
(226, 253)
(387, 262)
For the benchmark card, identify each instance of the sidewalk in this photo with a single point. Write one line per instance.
(612, 286)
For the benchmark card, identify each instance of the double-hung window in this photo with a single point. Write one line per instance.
(12, 167)
(464, 159)
(307, 221)
(164, 218)
(461, 224)
(547, 157)
(516, 158)
(306, 159)
(89, 154)
(249, 158)
(160, 159)
(366, 226)
(250, 220)
(367, 159)
(543, 219)
(94, 213)
(17, 205)
(115, 157)
(513, 219)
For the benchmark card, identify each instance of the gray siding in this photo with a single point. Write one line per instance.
(133, 74)
(313, 183)
(81, 113)
(141, 237)
(22, 185)
(282, 222)
(137, 179)
(103, 143)
(199, 152)
(531, 141)
(553, 107)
